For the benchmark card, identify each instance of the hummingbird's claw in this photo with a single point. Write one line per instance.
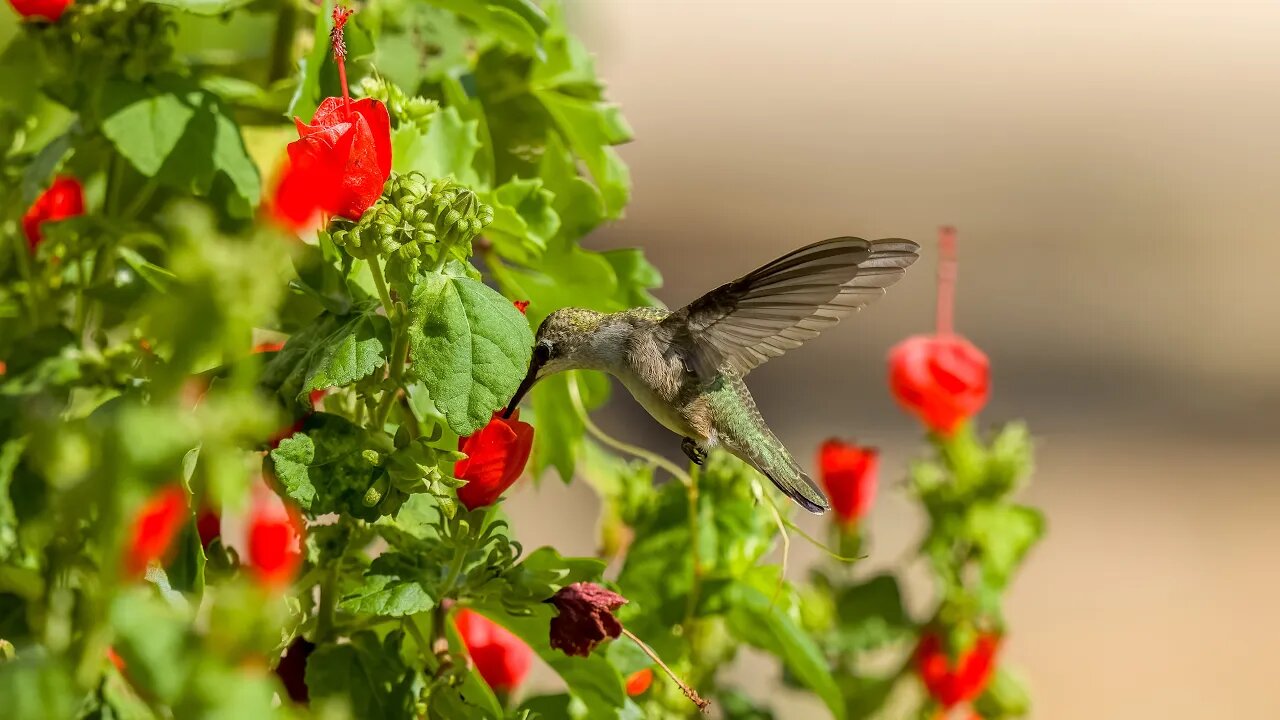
(695, 453)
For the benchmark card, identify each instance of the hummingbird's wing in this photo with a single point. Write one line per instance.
(777, 307)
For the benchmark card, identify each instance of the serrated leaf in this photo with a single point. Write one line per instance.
(324, 469)
(390, 596)
(1003, 533)
(369, 675)
(524, 221)
(470, 347)
(353, 352)
(518, 22)
(446, 150)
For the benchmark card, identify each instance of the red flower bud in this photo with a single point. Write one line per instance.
(585, 618)
(50, 10)
(942, 379)
(639, 681)
(496, 455)
(951, 684)
(500, 657)
(154, 527)
(64, 199)
(275, 541)
(848, 473)
(521, 305)
(338, 165)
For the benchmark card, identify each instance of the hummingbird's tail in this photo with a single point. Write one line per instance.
(774, 462)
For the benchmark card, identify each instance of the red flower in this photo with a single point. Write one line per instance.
(943, 379)
(115, 658)
(208, 526)
(500, 657)
(521, 305)
(584, 618)
(639, 681)
(64, 199)
(268, 347)
(951, 684)
(292, 669)
(849, 474)
(275, 541)
(50, 10)
(496, 455)
(154, 528)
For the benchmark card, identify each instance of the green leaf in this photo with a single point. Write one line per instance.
(153, 639)
(1003, 534)
(36, 688)
(756, 620)
(145, 125)
(470, 347)
(203, 7)
(334, 351)
(446, 150)
(396, 585)
(1005, 697)
(324, 469)
(871, 614)
(369, 675)
(636, 277)
(524, 221)
(518, 22)
(186, 572)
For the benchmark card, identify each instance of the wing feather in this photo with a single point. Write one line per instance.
(778, 307)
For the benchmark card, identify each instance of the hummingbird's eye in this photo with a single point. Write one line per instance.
(542, 352)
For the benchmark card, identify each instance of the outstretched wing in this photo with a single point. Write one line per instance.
(777, 307)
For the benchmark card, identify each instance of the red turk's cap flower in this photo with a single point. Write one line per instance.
(951, 684)
(848, 473)
(208, 526)
(496, 455)
(585, 618)
(50, 10)
(639, 681)
(275, 541)
(500, 657)
(522, 305)
(943, 379)
(154, 527)
(115, 658)
(64, 199)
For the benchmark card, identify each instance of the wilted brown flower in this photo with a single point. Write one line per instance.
(585, 618)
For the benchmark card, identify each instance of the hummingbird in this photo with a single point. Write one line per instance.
(686, 367)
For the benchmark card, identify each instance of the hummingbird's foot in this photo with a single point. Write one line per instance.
(695, 453)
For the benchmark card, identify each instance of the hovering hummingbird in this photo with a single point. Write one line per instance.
(686, 367)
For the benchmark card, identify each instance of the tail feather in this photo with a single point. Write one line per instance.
(800, 488)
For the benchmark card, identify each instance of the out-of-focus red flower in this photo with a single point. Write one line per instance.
(115, 658)
(521, 305)
(953, 683)
(584, 617)
(275, 540)
(50, 10)
(208, 525)
(500, 657)
(64, 199)
(639, 681)
(496, 455)
(943, 379)
(848, 472)
(153, 529)
(268, 347)
(292, 669)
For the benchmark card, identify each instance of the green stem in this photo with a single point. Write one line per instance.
(282, 41)
(399, 351)
(375, 269)
(328, 603)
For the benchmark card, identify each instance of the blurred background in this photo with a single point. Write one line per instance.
(1111, 168)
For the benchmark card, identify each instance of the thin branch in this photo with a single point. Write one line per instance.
(674, 470)
(812, 540)
(688, 691)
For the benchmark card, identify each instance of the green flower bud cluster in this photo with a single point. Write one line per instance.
(413, 217)
(112, 37)
(403, 109)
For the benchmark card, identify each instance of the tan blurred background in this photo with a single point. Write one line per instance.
(1112, 169)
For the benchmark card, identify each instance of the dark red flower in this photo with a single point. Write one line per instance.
(208, 526)
(275, 541)
(521, 305)
(154, 527)
(500, 657)
(953, 683)
(639, 681)
(50, 10)
(496, 455)
(292, 669)
(64, 199)
(584, 618)
(848, 473)
(943, 379)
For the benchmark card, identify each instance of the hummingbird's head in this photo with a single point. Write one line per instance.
(569, 339)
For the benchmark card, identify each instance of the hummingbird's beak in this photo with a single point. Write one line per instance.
(529, 379)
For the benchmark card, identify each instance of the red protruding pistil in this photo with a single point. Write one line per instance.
(339, 45)
(946, 279)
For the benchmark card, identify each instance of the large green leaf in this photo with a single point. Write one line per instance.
(524, 221)
(470, 347)
(755, 619)
(446, 150)
(324, 469)
(397, 584)
(333, 351)
(367, 674)
(1003, 533)
(36, 688)
(871, 613)
(518, 22)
